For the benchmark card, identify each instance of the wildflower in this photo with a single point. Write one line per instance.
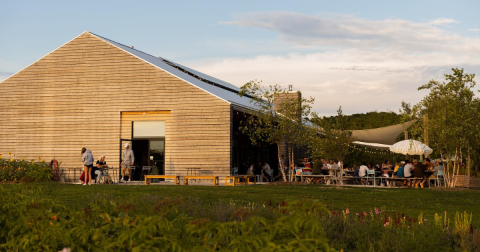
(39, 158)
(51, 224)
(357, 214)
(386, 224)
(54, 217)
(11, 159)
(347, 211)
(43, 161)
(9, 153)
(33, 161)
(376, 211)
(21, 159)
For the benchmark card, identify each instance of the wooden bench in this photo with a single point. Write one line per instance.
(215, 179)
(149, 177)
(236, 180)
(308, 178)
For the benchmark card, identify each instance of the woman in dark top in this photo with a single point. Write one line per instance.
(98, 169)
(418, 173)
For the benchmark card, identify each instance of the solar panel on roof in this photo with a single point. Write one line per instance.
(207, 77)
(218, 88)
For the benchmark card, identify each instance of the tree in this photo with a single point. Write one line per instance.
(276, 120)
(336, 136)
(453, 114)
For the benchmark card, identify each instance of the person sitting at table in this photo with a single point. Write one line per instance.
(356, 171)
(385, 167)
(429, 164)
(307, 167)
(408, 171)
(362, 172)
(419, 173)
(250, 170)
(317, 170)
(395, 169)
(400, 173)
(98, 169)
(300, 163)
(438, 167)
(317, 167)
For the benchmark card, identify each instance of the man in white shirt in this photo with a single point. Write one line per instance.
(408, 169)
(363, 170)
(267, 172)
(127, 161)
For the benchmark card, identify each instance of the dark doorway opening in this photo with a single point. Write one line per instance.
(148, 152)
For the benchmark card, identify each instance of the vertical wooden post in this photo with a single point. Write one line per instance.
(406, 138)
(425, 131)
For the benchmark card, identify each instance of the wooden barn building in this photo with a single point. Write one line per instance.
(96, 93)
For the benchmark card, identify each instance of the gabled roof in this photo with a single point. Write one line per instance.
(211, 85)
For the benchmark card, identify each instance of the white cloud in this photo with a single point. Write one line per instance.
(440, 21)
(361, 64)
(474, 29)
(351, 32)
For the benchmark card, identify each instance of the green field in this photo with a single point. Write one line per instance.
(358, 199)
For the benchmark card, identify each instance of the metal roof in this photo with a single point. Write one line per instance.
(211, 85)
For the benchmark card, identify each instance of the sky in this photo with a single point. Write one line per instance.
(361, 55)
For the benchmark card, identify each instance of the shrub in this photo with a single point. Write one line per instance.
(31, 220)
(13, 170)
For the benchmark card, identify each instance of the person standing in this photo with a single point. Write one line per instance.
(87, 159)
(267, 172)
(127, 160)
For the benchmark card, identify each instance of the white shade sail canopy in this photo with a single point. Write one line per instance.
(385, 135)
(411, 147)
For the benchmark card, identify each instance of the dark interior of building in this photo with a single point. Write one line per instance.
(245, 153)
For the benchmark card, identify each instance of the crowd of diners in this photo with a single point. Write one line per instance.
(416, 174)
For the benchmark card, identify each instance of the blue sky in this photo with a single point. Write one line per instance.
(362, 55)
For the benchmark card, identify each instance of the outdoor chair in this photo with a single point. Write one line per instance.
(438, 179)
(145, 171)
(371, 174)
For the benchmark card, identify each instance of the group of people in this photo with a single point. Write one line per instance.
(99, 170)
(269, 174)
(404, 169)
(421, 171)
(89, 170)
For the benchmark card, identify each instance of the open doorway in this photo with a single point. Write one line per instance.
(148, 152)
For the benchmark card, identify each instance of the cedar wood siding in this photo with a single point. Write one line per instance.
(74, 96)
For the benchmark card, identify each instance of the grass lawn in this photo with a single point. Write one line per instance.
(358, 199)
